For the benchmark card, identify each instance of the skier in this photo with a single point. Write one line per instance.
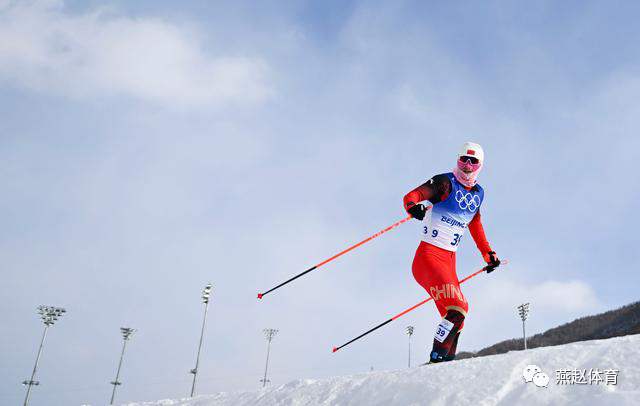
(455, 199)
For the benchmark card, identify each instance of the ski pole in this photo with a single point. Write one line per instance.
(397, 316)
(378, 234)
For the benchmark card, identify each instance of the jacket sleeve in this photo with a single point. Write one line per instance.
(417, 195)
(435, 190)
(477, 232)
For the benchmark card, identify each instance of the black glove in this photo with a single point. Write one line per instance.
(417, 211)
(492, 261)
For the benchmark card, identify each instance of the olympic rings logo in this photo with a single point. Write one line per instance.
(467, 201)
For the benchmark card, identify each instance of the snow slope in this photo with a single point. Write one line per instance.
(492, 380)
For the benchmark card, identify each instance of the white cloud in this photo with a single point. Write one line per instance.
(568, 296)
(549, 295)
(493, 303)
(46, 48)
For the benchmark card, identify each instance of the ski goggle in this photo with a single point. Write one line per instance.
(469, 163)
(471, 159)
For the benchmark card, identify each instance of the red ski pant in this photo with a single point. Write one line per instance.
(435, 270)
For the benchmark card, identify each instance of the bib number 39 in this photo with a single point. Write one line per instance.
(434, 232)
(443, 330)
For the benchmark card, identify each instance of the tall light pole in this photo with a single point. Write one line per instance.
(523, 310)
(409, 333)
(206, 293)
(127, 333)
(49, 315)
(268, 333)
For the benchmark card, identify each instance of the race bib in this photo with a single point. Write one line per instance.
(447, 221)
(443, 330)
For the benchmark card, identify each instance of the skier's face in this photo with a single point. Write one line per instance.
(468, 164)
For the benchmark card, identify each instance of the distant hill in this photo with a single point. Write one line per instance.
(614, 323)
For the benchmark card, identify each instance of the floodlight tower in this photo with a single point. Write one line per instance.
(409, 333)
(206, 293)
(268, 333)
(523, 310)
(127, 333)
(49, 315)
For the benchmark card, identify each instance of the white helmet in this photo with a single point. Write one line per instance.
(472, 149)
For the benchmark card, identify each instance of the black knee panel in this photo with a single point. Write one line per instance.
(455, 317)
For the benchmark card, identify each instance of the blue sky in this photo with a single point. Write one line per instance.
(147, 149)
